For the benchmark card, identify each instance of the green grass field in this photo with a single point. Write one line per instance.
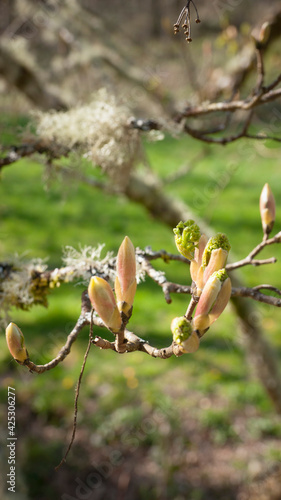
(120, 391)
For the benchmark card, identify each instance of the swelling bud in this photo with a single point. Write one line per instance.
(196, 268)
(187, 236)
(213, 300)
(184, 336)
(215, 255)
(264, 33)
(15, 341)
(125, 283)
(267, 209)
(103, 301)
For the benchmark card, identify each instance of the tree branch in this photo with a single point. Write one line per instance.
(81, 322)
(249, 260)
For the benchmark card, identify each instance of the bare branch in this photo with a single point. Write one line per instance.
(149, 254)
(249, 260)
(81, 322)
(253, 293)
(77, 393)
(267, 287)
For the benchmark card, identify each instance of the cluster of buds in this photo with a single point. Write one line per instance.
(185, 17)
(15, 341)
(116, 312)
(211, 286)
(206, 256)
(210, 257)
(267, 210)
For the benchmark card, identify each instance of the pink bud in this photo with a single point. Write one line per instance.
(217, 261)
(208, 296)
(125, 283)
(213, 300)
(196, 268)
(15, 341)
(103, 301)
(267, 209)
(221, 301)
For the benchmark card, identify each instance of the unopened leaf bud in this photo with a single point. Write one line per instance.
(125, 283)
(196, 268)
(187, 236)
(214, 243)
(103, 301)
(264, 33)
(15, 341)
(221, 301)
(267, 209)
(217, 261)
(213, 300)
(208, 296)
(261, 36)
(184, 336)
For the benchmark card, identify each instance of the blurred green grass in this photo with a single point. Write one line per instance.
(223, 187)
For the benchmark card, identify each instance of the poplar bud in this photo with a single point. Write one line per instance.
(15, 341)
(184, 336)
(103, 301)
(187, 236)
(125, 283)
(213, 300)
(267, 209)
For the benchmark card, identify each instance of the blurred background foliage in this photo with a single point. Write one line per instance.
(199, 427)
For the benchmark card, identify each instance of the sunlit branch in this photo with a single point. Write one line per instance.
(249, 260)
(253, 293)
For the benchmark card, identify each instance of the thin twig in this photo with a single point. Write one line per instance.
(267, 287)
(81, 322)
(249, 260)
(77, 393)
(254, 294)
(192, 304)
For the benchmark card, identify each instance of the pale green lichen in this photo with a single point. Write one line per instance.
(21, 286)
(100, 129)
(187, 235)
(24, 283)
(218, 241)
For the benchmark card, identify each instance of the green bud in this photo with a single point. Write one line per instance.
(221, 275)
(187, 236)
(183, 335)
(214, 243)
(181, 329)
